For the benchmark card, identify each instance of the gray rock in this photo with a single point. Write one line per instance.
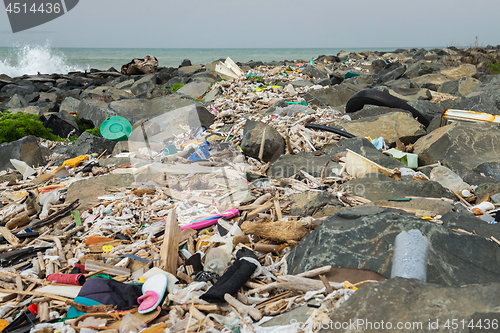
(450, 87)
(93, 111)
(178, 79)
(88, 144)
(211, 95)
(469, 222)
(411, 94)
(107, 94)
(144, 85)
(428, 109)
(70, 104)
(307, 203)
(193, 89)
(90, 189)
(462, 147)
(394, 74)
(274, 145)
(422, 307)
(120, 147)
(125, 84)
(496, 198)
(478, 103)
(363, 237)
(377, 187)
(203, 77)
(136, 109)
(487, 188)
(373, 110)
(322, 82)
(361, 82)
(16, 101)
(59, 126)
(334, 96)
(27, 110)
(190, 70)
(185, 63)
(314, 73)
(69, 118)
(468, 85)
(288, 165)
(25, 149)
(390, 126)
(421, 67)
(164, 126)
(301, 83)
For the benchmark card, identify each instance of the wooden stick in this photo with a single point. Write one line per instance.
(278, 209)
(260, 209)
(326, 283)
(495, 240)
(266, 248)
(262, 144)
(9, 237)
(170, 247)
(241, 318)
(242, 308)
(315, 272)
(462, 200)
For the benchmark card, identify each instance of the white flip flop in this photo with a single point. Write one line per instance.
(153, 291)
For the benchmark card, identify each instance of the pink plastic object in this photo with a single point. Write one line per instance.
(214, 109)
(206, 221)
(147, 300)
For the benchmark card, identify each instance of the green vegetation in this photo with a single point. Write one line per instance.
(95, 131)
(255, 78)
(176, 87)
(495, 68)
(82, 126)
(14, 126)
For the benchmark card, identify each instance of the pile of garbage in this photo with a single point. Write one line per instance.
(262, 204)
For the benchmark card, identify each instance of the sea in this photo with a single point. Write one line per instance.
(30, 59)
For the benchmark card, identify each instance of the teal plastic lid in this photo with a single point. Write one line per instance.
(116, 128)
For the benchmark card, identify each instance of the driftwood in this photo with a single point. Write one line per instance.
(281, 231)
(170, 247)
(242, 308)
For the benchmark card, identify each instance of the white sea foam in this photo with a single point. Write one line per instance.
(31, 59)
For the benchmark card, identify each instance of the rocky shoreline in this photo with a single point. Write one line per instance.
(296, 174)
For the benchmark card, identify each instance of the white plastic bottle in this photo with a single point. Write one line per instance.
(450, 180)
(411, 250)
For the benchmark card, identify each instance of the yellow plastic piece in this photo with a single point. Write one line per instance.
(348, 285)
(202, 242)
(107, 248)
(74, 162)
(428, 218)
(3, 324)
(142, 280)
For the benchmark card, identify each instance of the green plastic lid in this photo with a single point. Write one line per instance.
(116, 129)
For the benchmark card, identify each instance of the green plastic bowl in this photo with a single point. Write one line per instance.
(116, 129)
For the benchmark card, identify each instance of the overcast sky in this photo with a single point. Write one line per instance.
(266, 24)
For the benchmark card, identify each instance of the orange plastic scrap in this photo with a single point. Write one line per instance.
(96, 239)
(74, 162)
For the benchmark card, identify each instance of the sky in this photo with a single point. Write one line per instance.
(266, 24)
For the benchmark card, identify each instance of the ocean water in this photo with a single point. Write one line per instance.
(31, 59)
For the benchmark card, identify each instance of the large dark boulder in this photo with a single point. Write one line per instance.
(363, 237)
(417, 307)
(464, 148)
(274, 145)
(25, 149)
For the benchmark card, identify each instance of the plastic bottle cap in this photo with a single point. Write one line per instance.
(465, 193)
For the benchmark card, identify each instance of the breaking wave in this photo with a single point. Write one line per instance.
(31, 59)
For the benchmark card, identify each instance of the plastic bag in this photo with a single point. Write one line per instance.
(130, 324)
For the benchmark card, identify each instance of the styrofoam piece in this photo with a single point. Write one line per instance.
(225, 72)
(60, 290)
(232, 66)
(23, 168)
